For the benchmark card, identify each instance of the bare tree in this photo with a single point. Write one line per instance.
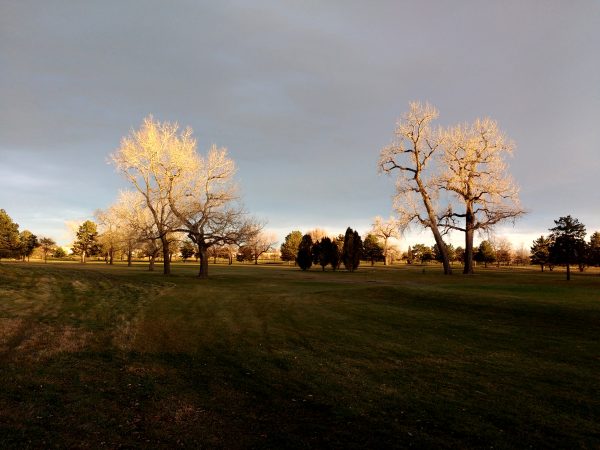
(138, 226)
(391, 228)
(151, 158)
(413, 156)
(109, 228)
(503, 249)
(317, 234)
(261, 243)
(204, 199)
(477, 174)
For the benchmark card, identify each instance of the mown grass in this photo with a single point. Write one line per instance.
(271, 357)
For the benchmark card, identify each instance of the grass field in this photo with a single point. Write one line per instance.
(272, 357)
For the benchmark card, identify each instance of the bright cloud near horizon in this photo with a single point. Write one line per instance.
(303, 94)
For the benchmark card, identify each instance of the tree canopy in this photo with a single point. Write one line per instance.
(9, 236)
(568, 244)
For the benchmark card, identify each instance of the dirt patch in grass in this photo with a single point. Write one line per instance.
(23, 341)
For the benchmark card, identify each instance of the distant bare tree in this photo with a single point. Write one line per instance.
(316, 234)
(503, 249)
(109, 229)
(391, 228)
(261, 243)
(138, 226)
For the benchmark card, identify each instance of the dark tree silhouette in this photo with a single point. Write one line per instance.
(540, 252)
(568, 242)
(372, 249)
(304, 257)
(485, 253)
(352, 250)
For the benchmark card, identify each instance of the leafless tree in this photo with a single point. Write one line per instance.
(317, 234)
(475, 171)
(412, 155)
(386, 229)
(261, 243)
(138, 226)
(203, 197)
(150, 158)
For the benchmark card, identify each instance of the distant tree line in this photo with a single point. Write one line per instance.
(316, 248)
(15, 244)
(566, 246)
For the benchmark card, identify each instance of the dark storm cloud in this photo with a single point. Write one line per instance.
(303, 93)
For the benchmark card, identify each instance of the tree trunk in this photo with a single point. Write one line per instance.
(151, 265)
(82, 257)
(129, 257)
(468, 269)
(542, 268)
(166, 260)
(442, 246)
(568, 272)
(203, 252)
(111, 256)
(434, 228)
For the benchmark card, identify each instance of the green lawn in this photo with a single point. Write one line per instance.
(269, 356)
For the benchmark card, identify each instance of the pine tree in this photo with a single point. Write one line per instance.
(568, 236)
(594, 249)
(86, 242)
(9, 236)
(289, 248)
(485, 253)
(187, 250)
(540, 252)
(372, 249)
(304, 256)
(352, 250)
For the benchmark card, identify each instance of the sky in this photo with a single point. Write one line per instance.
(304, 94)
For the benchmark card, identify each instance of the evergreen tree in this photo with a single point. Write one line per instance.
(245, 253)
(337, 248)
(323, 252)
(372, 249)
(568, 242)
(314, 252)
(485, 253)
(304, 256)
(540, 252)
(187, 250)
(289, 248)
(594, 249)
(352, 251)
(86, 241)
(9, 236)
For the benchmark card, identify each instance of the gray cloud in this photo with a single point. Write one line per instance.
(302, 93)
